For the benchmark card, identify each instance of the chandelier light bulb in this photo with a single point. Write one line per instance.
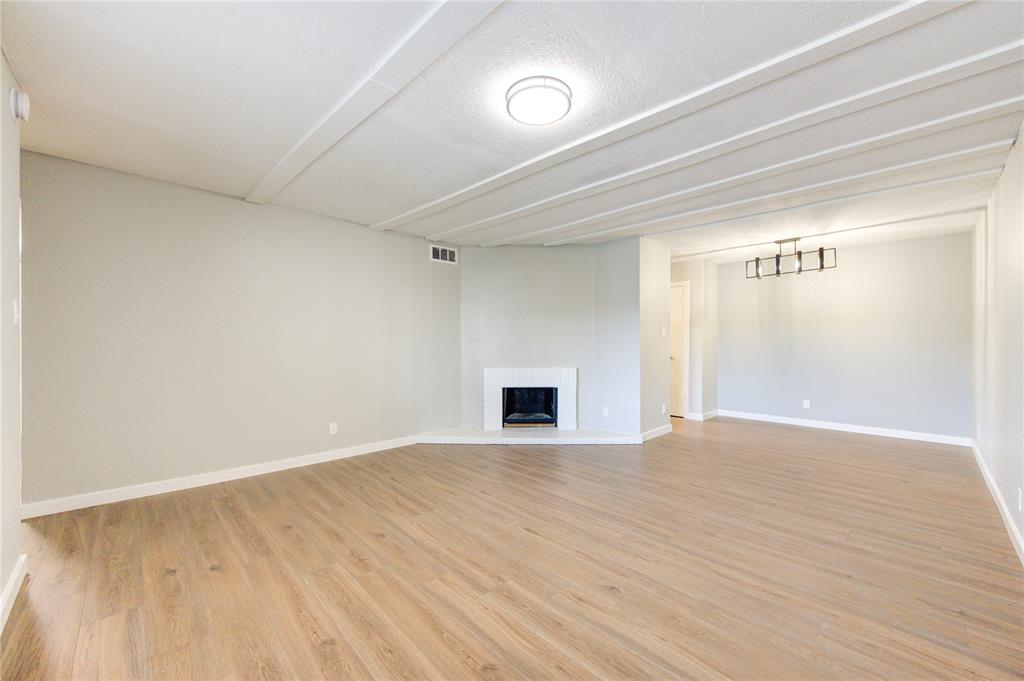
(790, 260)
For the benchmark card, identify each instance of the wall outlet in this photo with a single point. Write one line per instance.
(807, 404)
(1020, 500)
(663, 408)
(664, 331)
(604, 411)
(332, 429)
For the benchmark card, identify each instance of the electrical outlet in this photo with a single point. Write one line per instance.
(664, 331)
(807, 404)
(1020, 500)
(663, 408)
(332, 429)
(604, 411)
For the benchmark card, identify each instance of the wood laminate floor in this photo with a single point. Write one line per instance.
(726, 550)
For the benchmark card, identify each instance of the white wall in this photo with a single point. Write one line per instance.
(10, 337)
(883, 340)
(655, 275)
(999, 340)
(170, 332)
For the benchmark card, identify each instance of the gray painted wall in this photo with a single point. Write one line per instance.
(999, 335)
(884, 340)
(527, 307)
(10, 337)
(710, 314)
(655, 274)
(575, 306)
(170, 332)
(617, 334)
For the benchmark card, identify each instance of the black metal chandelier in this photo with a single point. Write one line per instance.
(795, 262)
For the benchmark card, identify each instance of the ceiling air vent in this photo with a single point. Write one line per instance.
(442, 254)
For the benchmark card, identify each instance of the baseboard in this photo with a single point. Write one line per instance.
(851, 428)
(1016, 538)
(523, 436)
(11, 589)
(706, 416)
(657, 432)
(109, 496)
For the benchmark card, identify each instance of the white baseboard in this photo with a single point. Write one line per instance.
(1016, 538)
(528, 436)
(706, 416)
(11, 588)
(657, 432)
(851, 428)
(108, 496)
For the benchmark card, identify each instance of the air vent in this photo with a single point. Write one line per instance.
(442, 254)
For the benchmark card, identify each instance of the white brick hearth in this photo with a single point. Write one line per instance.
(563, 378)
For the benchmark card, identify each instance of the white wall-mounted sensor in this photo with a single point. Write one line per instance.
(20, 105)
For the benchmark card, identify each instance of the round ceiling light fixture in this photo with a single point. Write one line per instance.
(538, 100)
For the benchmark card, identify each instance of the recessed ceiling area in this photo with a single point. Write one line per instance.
(730, 124)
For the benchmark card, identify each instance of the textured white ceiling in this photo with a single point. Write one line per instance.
(206, 94)
(449, 128)
(707, 125)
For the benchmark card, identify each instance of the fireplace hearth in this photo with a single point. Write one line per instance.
(529, 407)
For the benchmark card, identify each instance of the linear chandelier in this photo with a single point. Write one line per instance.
(794, 262)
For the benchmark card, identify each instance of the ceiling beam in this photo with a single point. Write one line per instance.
(967, 212)
(444, 24)
(614, 232)
(873, 28)
(973, 65)
(935, 126)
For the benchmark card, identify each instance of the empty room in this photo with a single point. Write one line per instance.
(458, 339)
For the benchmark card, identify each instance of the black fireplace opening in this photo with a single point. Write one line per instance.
(524, 407)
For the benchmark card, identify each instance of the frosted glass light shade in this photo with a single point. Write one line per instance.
(538, 100)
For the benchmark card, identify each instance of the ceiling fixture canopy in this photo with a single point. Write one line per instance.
(795, 262)
(538, 100)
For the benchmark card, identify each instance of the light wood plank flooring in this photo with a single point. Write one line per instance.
(726, 550)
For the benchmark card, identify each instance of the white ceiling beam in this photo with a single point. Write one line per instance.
(931, 127)
(998, 57)
(923, 184)
(966, 212)
(873, 28)
(441, 27)
(611, 232)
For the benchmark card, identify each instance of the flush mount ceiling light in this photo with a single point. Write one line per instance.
(794, 262)
(538, 100)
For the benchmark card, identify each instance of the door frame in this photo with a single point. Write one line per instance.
(684, 352)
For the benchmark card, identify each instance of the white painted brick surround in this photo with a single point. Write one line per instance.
(563, 378)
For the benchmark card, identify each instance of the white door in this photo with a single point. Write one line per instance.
(679, 346)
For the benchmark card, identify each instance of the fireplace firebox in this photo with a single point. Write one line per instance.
(525, 407)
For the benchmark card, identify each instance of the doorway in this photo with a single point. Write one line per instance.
(679, 347)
